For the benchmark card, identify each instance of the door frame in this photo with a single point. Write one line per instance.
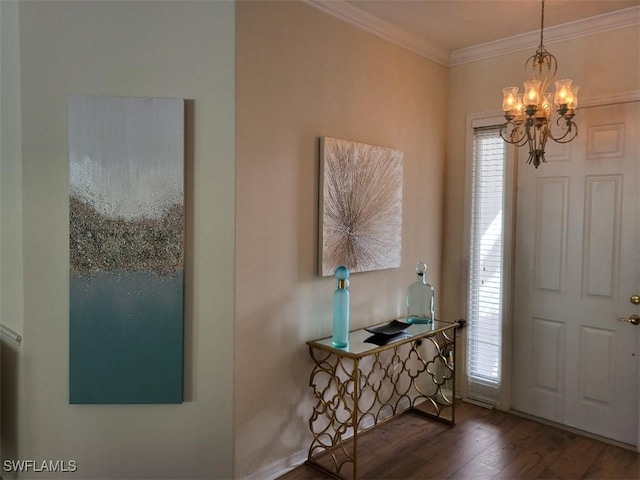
(490, 118)
(473, 121)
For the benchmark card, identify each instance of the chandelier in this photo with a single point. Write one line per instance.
(535, 115)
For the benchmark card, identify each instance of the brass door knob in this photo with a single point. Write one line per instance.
(635, 299)
(633, 320)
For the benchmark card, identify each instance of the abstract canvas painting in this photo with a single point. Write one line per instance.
(126, 243)
(361, 206)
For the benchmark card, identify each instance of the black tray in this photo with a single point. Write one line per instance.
(382, 339)
(392, 328)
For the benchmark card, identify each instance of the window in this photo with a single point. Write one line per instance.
(486, 275)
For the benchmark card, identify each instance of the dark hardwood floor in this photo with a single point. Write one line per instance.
(484, 444)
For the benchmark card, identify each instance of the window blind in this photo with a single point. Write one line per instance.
(486, 267)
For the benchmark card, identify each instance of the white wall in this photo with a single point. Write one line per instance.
(165, 49)
(11, 279)
(10, 171)
(302, 74)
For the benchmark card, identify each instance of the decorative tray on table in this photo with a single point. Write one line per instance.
(392, 328)
(383, 334)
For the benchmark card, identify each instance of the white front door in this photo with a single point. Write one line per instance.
(577, 265)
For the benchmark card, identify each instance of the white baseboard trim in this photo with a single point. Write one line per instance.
(280, 468)
(567, 428)
(11, 335)
(478, 403)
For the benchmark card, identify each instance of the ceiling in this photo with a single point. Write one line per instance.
(449, 26)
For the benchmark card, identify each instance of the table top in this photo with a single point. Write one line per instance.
(360, 341)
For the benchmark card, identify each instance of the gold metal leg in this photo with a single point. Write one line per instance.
(334, 414)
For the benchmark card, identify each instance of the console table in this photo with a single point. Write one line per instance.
(366, 384)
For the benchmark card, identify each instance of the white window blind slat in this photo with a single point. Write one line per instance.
(486, 258)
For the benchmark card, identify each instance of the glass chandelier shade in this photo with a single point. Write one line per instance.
(535, 115)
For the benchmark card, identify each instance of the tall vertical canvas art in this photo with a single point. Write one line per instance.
(126, 160)
(361, 206)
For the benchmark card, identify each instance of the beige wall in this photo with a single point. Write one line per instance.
(603, 65)
(165, 49)
(302, 74)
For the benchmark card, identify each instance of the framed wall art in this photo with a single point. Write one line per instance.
(126, 239)
(360, 206)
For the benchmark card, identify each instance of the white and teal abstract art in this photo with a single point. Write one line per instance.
(126, 160)
(361, 206)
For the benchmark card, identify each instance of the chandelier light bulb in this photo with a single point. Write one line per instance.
(573, 102)
(510, 98)
(520, 105)
(563, 91)
(531, 91)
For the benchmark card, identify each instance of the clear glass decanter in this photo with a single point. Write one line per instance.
(420, 298)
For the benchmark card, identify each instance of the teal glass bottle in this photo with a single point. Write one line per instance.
(341, 308)
(420, 298)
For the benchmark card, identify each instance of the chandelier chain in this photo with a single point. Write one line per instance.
(542, 25)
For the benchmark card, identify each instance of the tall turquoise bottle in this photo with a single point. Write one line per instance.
(341, 308)
(420, 298)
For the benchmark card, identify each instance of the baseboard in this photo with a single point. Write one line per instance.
(566, 428)
(280, 468)
(478, 403)
(12, 335)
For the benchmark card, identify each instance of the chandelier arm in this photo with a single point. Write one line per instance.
(570, 129)
(537, 133)
(517, 136)
(552, 71)
(544, 134)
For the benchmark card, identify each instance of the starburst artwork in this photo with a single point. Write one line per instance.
(361, 206)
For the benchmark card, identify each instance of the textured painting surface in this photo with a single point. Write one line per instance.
(361, 206)
(126, 160)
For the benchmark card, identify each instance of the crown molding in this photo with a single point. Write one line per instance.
(581, 28)
(354, 16)
(558, 33)
(600, 100)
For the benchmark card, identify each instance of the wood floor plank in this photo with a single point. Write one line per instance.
(474, 469)
(633, 472)
(512, 443)
(483, 445)
(469, 444)
(614, 462)
(575, 459)
(536, 454)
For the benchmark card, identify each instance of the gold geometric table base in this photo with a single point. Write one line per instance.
(365, 385)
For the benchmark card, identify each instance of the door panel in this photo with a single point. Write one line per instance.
(551, 233)
(577, 264)
(602, 235)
